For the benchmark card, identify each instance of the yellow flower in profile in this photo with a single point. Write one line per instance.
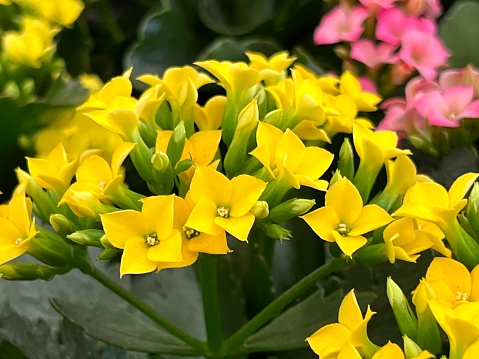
(284, 152)
(54, 172)
(17, 225)
(32, 45)
(201, 148)
(329, 340)
(350, 86)
(221, 204)
(343, 219)
(148, 238)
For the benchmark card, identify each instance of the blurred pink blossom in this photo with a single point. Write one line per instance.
(371, 54)
(391, 24)
(374, 5)
(368, 85)
(467, 76)
(341, 24)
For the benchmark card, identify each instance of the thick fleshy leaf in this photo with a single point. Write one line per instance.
(460, 19)
(118, 327)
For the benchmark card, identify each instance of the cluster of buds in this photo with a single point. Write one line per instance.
(393, 39)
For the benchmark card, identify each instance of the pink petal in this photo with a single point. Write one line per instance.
(431, 102)
(391, 24)
(472, 110)
(458, 97)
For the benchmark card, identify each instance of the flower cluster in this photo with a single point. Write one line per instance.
(392, 39)
(436, 115)
(28, 45)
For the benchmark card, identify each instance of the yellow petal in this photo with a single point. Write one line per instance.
(168, 250)
(370, 218)
(460, 187)
(348, 351)
(206, 243)
(205, 144)
(323, 221)
(349, 311)
(10, 251)
(134, 259)
(159, 211)
(328, 341)
(238, 227)
(345, 199)
(349, 244)
(212, 185)
(122, 225)
(475, 285)
(245, 192)
(290, 151)
(389, 351)
(202, 218)
(119, 155)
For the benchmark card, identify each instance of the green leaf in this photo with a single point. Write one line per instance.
(164, 40)
(290, 329)
(120, 328)
(226, 48)
(235, 17)
(460, 30)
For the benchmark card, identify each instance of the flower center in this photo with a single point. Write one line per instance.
(18, 241)
(190, 232)
(152, 239)
(102, 184)
(343, 229)
(461, 296)
(223, 212)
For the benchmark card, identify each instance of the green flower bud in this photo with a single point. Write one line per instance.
(274, 117)
(472, 209)
(183, 166)
(62, 224)
(11, 89)
(405, 317)
(176, 144)
(336, 177)
(291, 208)
(411, 349)
(260, 209)
(275, 231)
(160, 160)
(28, 271)
(105, 242)
(88, 237)
(346, 160)
(371, 255)
(108, 253)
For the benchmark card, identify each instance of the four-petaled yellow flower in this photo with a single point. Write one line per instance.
(148, 238)
(221, 204)
(344, 220)
(17, 225)
(351, 330)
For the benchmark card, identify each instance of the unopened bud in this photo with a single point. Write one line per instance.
(176, 144)
(88, 237)
(346, 160)
(105, 242)
(411, 349)
(260, 209)
(405, 317)
(275, 231)
(160, 160)
(291, 208)
(26, 271)
(62, 224)
(108, 253)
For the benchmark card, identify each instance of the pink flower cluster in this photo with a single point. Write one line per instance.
(382, 33)
(444, 103)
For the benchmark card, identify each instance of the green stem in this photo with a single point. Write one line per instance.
(211, 302)
(86, 267)
(235, 342)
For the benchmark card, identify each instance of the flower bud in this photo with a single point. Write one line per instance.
(275, 231)
(88, 237)
(160, 160)
(62, 224)
(108, 253)
(472, 209)
(346, 160)
(291, 208)
(27, 271)
(176, 144)
(371, 255)
(49, 250)
(105, 242)
(411, 349)
(260, 209)
(405, 317)
(183, 166)
(237, 153)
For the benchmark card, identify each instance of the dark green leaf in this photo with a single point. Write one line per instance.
(235, 17)
(225, 48)
(164, 40)
(460, 30)
(120, 328)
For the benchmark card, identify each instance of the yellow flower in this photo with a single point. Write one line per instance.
(389, 351)
(329, 340)
(210, 116)
(284, 152)
(63, 12)
(32, 45)
(273, 69)
(343, 219)
(350, 86)
(472, 352)
(200, 148)
(18, 228)
(405, 238)
(222, 204)
(54, 172)
(148, 238)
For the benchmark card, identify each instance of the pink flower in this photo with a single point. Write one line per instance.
(468, 76)
(341, 24)
(423, 52)
(391, 23)
(371, 54)
(368, 85)
(374, 5)
(449, 107)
